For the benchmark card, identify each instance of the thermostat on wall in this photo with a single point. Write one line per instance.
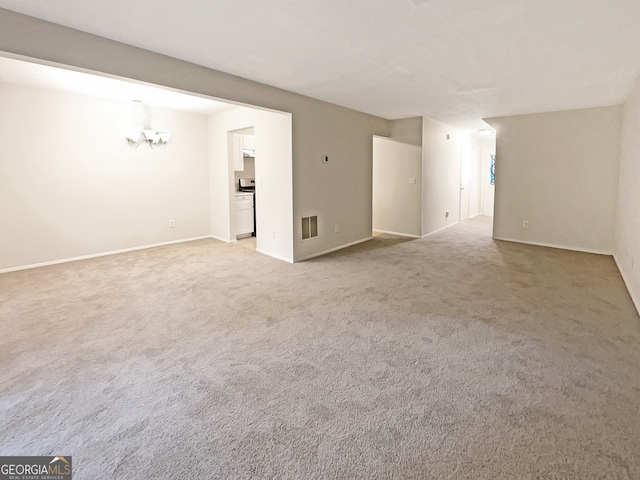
(325, 159)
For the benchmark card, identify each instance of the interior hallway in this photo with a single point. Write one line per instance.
(448, 356)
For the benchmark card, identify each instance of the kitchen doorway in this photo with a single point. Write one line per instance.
(243, 211)
(254, 145)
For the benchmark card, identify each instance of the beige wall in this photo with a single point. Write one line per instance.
(440, 176)
(419, 146)
(396, 202)
(71, 186)
(407, 130)
(559, 171)
(627, 231)
(338, 192)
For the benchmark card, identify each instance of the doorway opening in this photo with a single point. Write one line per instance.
(144, 165)
(477, 179)
(488, 181)
(243, 208)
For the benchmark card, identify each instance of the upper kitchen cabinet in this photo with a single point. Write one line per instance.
(243, 146)
(249, 144)
(238, 157)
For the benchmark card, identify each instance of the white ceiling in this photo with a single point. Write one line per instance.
(451, 60)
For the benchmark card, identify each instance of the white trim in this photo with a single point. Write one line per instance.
(551, 245)
(269, 254)
(324, 252)
(634, 299)
(440, 229)
(397, 233)
(225, 240)
(102, 254)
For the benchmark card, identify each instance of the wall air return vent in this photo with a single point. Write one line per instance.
(309, 227)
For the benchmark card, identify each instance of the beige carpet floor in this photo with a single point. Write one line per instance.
(452, 356)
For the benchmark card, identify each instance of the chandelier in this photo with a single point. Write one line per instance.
(152, 138)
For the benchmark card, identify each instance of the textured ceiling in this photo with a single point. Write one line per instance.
(452, 60)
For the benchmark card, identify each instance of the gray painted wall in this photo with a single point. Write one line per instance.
(440, 176)
(627, 233)
(559, 171)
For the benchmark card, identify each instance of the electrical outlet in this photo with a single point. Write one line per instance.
(337, 229)
(273, 233)
(525, 224)
(172, 223)
(412, 180)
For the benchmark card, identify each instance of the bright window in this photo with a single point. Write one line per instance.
(492, 170)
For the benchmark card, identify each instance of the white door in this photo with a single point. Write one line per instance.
(465, 177)
(488, 187)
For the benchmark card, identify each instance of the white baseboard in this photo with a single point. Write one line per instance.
(551, 245)
(634, 298)
(324, 252)
(279, 257)
(101, 254)
(225, 240)
(440, 229)
(397, 233)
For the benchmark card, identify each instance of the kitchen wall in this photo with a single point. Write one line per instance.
(440, 175)
(273, 167)
(71, 186)
(627, 230)
(559, 171)
(248, 172)
(338, 192)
